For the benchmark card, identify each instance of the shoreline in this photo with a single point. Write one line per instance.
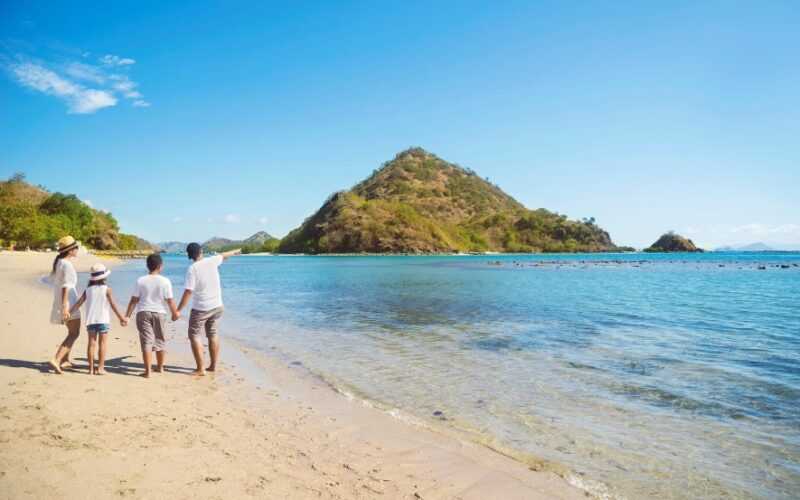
(259, 428)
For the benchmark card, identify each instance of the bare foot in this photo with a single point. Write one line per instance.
(66, 365)
(199, 373)
(100, 372)
(145, 375)
(159, 369)
(55, 366)
(211, 368)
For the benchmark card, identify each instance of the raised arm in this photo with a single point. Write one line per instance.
(122, 320)
(230, 253)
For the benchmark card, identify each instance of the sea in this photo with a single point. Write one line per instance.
(635, 375)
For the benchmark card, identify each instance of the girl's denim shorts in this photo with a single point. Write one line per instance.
(98, 328)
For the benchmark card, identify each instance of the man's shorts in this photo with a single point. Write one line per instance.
(98, 328)
(204, 320)
(151, 330)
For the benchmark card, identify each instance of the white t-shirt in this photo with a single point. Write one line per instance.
(202, 278)
(98, 308)
(65, 277)
(152, 290)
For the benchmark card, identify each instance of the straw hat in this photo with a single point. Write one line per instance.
(66, 244)
(99, 272)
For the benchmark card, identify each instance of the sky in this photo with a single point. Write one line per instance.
(188, 120)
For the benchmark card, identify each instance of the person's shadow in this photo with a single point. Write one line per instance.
(118, 365)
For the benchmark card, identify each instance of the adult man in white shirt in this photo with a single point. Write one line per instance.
(203, 286)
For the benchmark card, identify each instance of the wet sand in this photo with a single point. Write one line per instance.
(258, 428)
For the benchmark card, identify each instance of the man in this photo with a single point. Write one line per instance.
(203, 286)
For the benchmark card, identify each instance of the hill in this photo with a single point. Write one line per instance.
(32, 217)
(419, 203)
(258, 242)
(671, 242)
(172, 246)
(752, 247)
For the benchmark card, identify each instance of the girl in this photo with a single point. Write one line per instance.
(98, 299)
(65, 279)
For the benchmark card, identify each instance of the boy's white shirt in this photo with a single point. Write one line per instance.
(202, 278)
(152, 290)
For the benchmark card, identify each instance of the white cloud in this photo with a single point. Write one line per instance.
(79, 99)
(86, 88)
(177, 219)
(786, 229)
(112, 60)
(262, 220)
(86, 72)
(233, 218)
(125, 86)
(88, 202)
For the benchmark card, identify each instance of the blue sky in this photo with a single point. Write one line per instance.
(224, 118)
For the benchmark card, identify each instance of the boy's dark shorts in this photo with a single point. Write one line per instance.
(151, 326)
(204, 320)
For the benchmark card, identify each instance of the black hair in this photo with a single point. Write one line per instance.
(154, 261)
(193, 250)
(97, 282)
(60, 256)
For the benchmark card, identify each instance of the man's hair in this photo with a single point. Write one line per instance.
(193, 250)
(154, 262)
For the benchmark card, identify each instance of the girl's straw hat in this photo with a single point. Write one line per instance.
(99, 272)
(66, 244)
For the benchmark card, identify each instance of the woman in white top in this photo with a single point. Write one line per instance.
(65, 279)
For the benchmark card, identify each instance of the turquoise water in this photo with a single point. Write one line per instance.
(672, 376)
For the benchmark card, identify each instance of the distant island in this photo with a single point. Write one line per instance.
(419, 203)
(258, 242)
(752, 247)
(671, 242)
(33, 218)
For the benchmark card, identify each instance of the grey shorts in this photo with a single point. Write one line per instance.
(204, 320)
(151, 330)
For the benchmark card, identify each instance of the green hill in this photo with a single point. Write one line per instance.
(419, 203)
(32, 217)
(258, 242)
(671, 242)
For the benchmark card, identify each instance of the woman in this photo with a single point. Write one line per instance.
(65, 279)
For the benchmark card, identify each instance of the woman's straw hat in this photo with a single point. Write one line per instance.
(99, 272)
(66, 244)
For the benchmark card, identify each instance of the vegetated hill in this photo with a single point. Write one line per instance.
(215, 244)
(172, 246)
(258, 238)
(419, 203)
(32, 217)
(671, 242)
(258, 242)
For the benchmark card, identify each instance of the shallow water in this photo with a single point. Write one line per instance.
(675, 376)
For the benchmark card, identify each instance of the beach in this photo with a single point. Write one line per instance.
(259, 428)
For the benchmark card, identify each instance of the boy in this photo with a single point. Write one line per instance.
(151, 297)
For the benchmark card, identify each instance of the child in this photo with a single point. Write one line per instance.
(150, 295)
(98, 299)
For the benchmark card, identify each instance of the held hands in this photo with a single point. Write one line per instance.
(123, 321)
(176, 316)
(65, 315)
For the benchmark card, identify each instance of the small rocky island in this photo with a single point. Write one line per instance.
(671, 242)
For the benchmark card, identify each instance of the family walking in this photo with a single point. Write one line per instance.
(151, 300)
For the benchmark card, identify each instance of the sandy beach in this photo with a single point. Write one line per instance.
(259, 428)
